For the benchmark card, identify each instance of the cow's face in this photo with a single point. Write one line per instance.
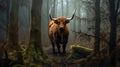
(61, 22)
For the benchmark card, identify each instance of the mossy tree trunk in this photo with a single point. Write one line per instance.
(36, 26)
(13, 30)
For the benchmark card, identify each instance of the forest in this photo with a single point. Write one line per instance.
(94, 33)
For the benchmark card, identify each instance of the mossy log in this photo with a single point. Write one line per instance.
(79, 52)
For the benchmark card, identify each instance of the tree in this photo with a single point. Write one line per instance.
(13, 30)
(113, 29)
(36, 26)
(62, 7)
(24, 22)
(97, 27)
(4, 19)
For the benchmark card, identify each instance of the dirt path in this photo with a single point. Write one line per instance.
(61, 60)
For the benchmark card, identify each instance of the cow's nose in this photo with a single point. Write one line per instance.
(62, 29)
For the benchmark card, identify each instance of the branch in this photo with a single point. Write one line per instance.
(85, 34)
(88, 19)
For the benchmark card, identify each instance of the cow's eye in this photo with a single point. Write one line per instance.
(64, 23)
(57, 22)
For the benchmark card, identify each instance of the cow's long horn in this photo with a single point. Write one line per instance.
(50, 15)
(72, 15)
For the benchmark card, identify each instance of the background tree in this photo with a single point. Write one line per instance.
(24, 22)
(4, 20)
(97, 27)
(114, 6)
(13, 30)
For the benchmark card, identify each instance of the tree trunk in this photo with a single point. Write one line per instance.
(24, 21)
(113, 31)
(13, 30)
(36, 26)
(53, 13)
(4, 19)
(62, 7)
(97, 27)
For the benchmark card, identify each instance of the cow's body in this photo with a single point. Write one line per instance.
(58, 33)
(58, 37)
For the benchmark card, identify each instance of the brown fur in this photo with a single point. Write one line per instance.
(56, 35)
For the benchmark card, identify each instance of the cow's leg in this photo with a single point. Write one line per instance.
(53, 48)
(58, 47)
(64, 49)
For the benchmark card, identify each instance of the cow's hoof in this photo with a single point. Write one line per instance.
(59, 53)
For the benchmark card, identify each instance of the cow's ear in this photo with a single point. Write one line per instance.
(67, 21)
(56, 21)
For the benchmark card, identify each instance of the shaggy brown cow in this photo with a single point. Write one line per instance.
(58, 32)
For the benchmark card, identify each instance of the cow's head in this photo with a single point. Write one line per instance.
(61, 21)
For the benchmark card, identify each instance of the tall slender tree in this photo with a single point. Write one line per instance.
(53, 14)
(97, 27)
(62, 8)
(114, 6)
(4, 19)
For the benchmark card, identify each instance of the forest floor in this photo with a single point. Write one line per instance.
(61, 61)
(66, 61)
(81, 58)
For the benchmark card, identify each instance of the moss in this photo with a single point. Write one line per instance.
(34, 65)
(80, 60)
(48, 60)
(33, 57)
(30, 65)
(79, 52)
(18, 65)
